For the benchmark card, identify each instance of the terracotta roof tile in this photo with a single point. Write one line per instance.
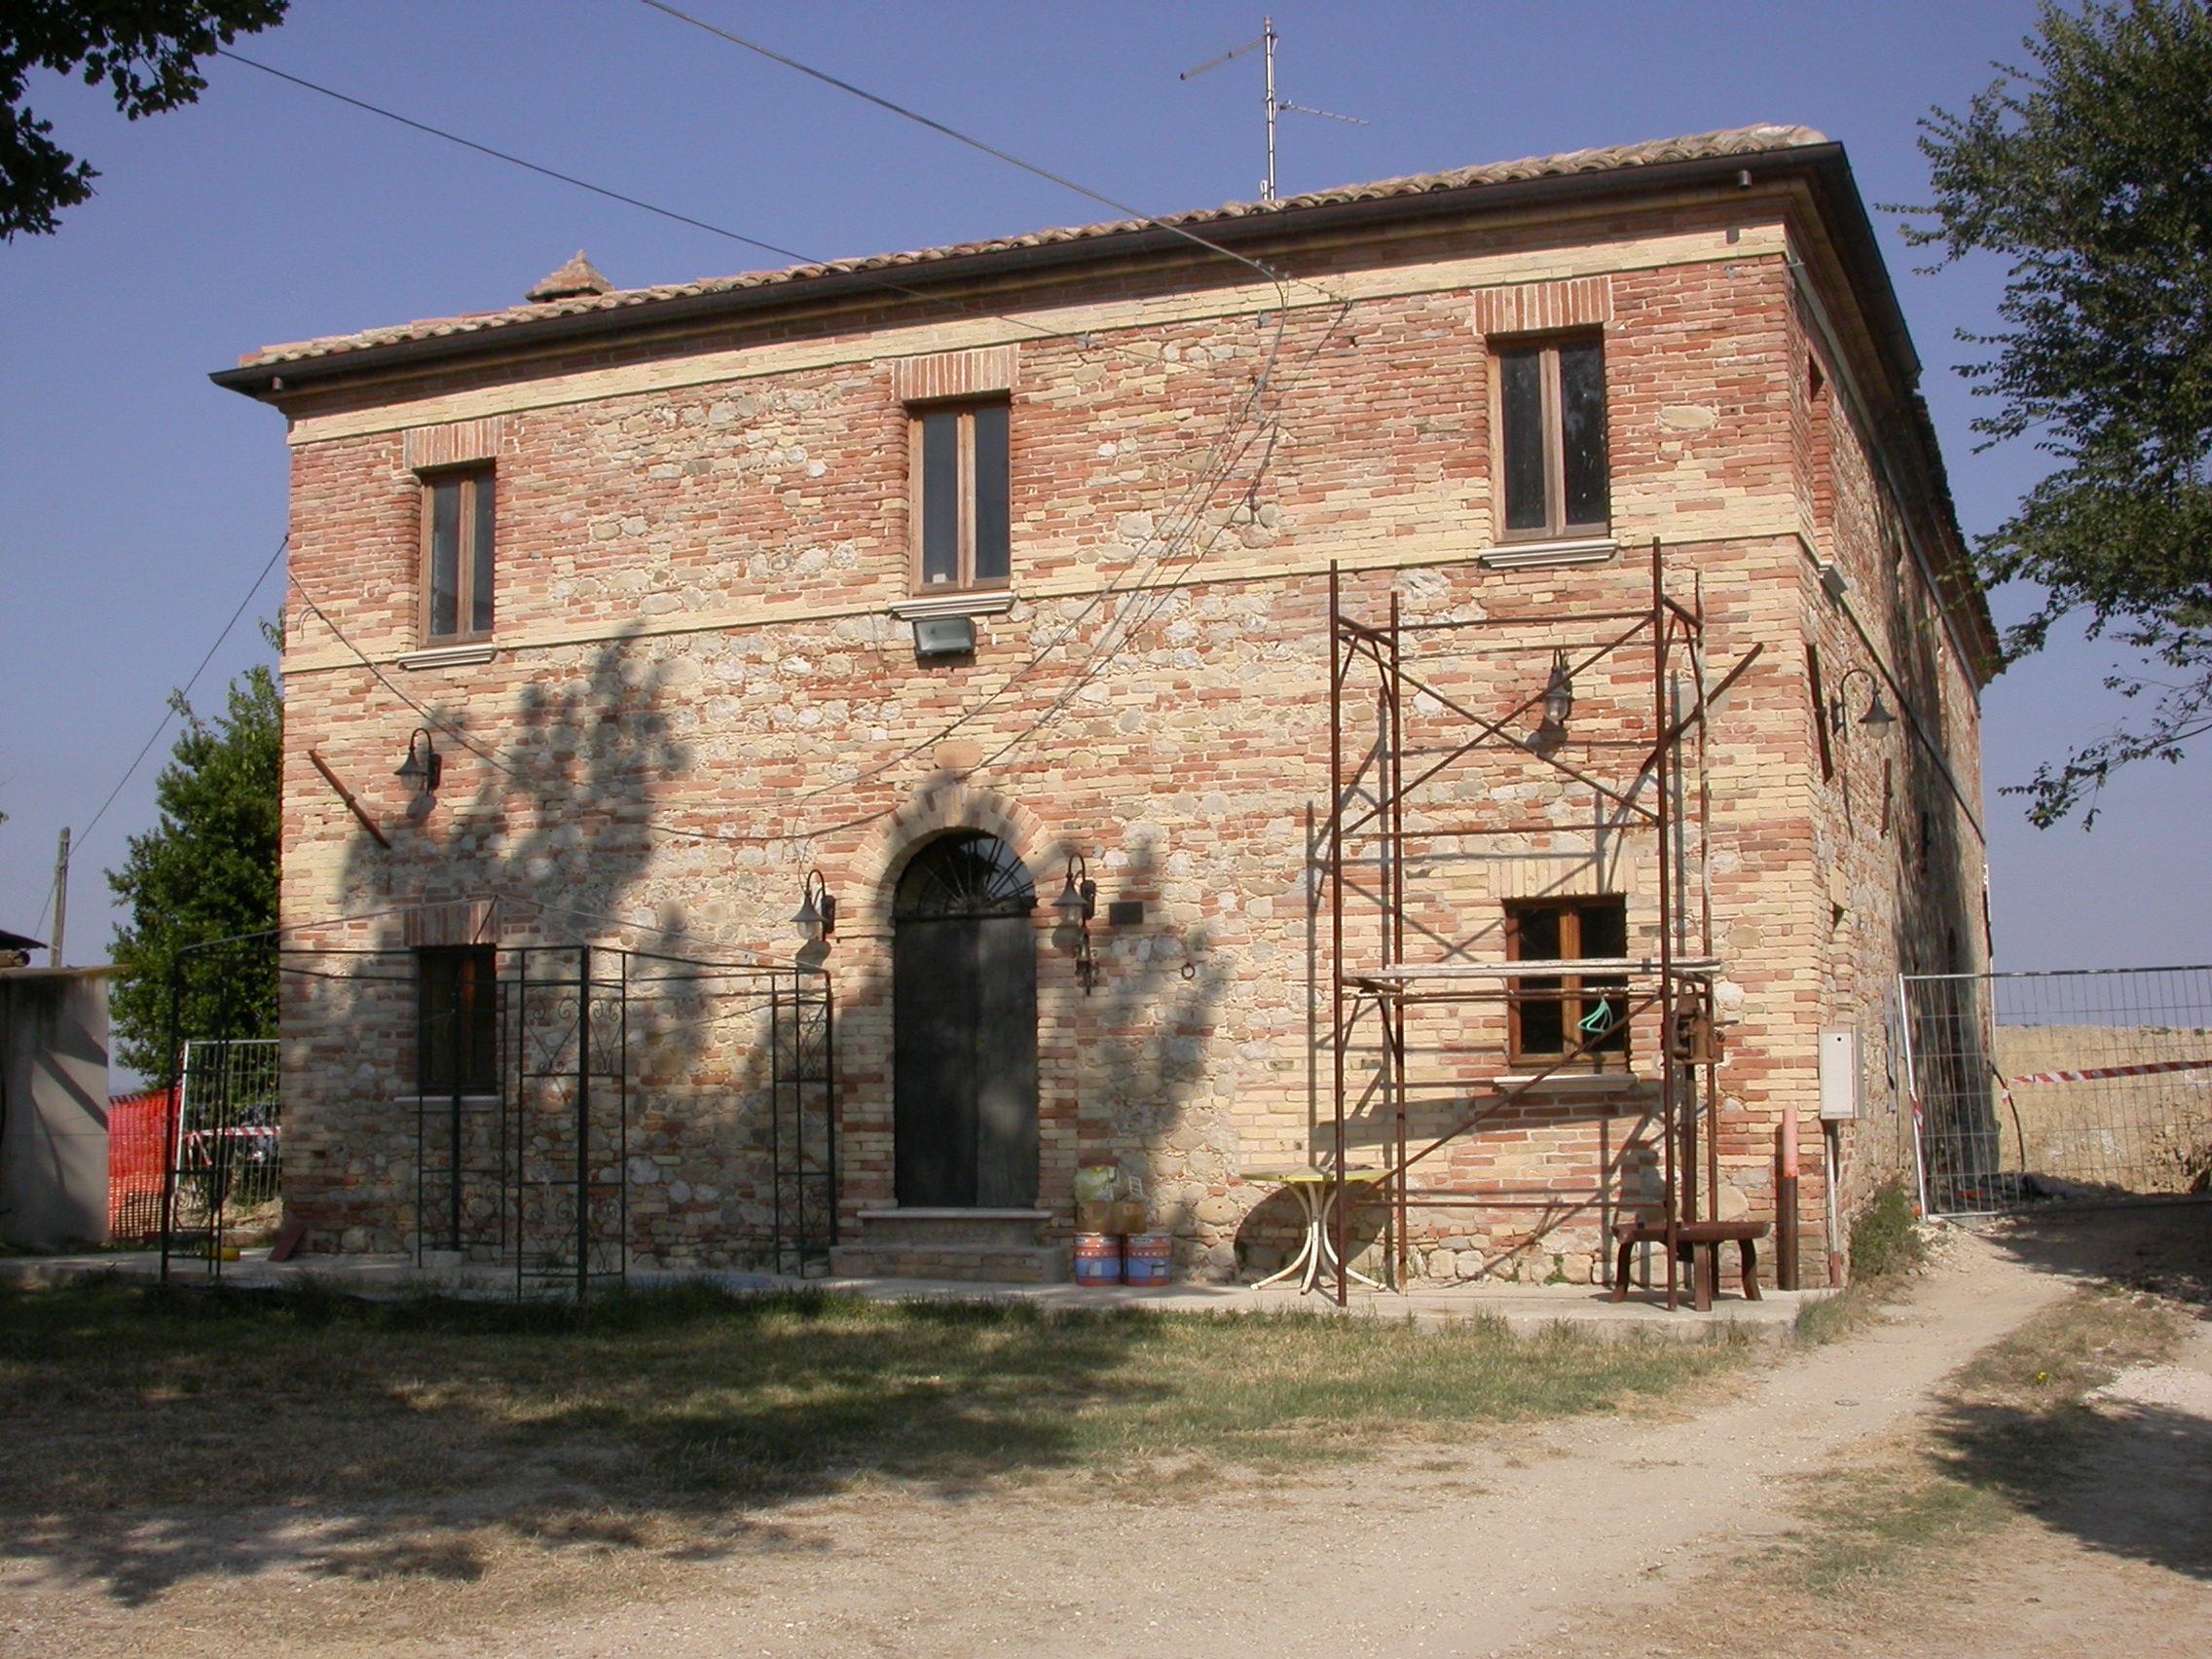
(1739, 141)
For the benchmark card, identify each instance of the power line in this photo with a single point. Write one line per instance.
(871, 278)
(168, 711)
(518, 161)
(960, 138)
(1180, 550)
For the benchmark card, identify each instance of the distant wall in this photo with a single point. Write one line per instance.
(53, 1106)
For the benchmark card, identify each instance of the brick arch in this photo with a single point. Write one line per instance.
(944, 807)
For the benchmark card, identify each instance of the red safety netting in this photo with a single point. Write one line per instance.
(136, 1150)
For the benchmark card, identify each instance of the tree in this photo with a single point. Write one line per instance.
(145, 50)
(2091, 170)
(206, 871)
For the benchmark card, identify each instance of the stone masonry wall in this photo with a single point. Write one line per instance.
(700, 691)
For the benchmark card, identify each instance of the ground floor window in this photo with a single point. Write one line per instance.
(1551, 1015)
(457, 1019)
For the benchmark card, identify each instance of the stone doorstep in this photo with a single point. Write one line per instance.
(965, 1263)
(951, 1229)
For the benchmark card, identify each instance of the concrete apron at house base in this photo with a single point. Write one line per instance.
(1525, 1309)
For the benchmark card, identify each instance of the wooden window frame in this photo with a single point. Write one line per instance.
(1552, 433)
(964, 579)
(1573, 995)
(432, 1077)
(473, 480)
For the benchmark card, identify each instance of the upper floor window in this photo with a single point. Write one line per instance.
(1552, 438)
(1552, 1017)
(961, 501)
(456, 556)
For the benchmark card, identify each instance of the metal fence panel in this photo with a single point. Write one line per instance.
(2069, 1083)
(227, 1147)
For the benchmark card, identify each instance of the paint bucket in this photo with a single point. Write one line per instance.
(1148, 1257)
(1097, 1259)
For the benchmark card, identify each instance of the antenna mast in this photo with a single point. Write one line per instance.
(1273, 106)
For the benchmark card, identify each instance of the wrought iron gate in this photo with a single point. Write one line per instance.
(2060, 1084)
(538, 1172)
(548, 1085)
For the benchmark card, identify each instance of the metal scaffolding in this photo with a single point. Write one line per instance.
(1430, 796)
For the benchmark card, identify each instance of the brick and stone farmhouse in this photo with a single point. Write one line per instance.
(937, 585)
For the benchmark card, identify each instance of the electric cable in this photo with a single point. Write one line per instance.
(960, 138)
(1037, 330)
(1154, 588)
(168, 713)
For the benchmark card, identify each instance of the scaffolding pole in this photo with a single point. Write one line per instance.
(1384, 788)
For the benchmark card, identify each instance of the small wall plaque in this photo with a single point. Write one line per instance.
(1124, 913)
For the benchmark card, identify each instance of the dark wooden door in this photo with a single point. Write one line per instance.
(964, 1028)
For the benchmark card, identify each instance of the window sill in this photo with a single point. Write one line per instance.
(1572, 1082)
(467, 655)
(1548, 555)
(960, 602)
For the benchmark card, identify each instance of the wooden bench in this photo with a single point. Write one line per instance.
(1699, 1242)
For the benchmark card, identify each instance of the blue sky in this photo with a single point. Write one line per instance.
(139, 502)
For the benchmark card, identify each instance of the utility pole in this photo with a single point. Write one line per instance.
(1272, 105)
(61, 896)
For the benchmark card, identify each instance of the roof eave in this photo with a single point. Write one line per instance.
(956, 271)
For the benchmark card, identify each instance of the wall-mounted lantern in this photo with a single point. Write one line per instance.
(423, 765)
(1877, 714)
(1557, 705)
(1077, 904)
(817, 916)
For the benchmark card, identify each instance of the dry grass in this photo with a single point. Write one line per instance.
(2013, 1428)
(417, 1438)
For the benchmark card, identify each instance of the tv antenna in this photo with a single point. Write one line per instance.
(1266, 47)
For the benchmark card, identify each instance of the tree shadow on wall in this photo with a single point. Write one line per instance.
(537, 839)
(1155, 1081)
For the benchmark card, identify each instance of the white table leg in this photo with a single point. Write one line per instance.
(1306, 1262)
(1329, 1244)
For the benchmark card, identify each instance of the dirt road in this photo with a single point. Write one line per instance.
(1443, 1552)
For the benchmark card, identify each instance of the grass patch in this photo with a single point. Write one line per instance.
(1869, 1525)
(2017, 1423)
(123, 1400)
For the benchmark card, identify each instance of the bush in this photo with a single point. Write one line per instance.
(1884, 1236)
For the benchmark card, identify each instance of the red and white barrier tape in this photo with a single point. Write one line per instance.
(2098, 1073)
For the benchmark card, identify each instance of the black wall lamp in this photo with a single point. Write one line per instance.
(1077, 904)
(423, 765)
(1559, 704)
(817, 916)
(1876, 715)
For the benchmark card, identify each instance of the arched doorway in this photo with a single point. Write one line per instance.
(964, 1027)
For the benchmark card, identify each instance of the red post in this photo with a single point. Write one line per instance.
(1786, 1204)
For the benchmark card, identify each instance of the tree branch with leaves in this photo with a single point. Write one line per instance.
(146, 51)
(206, 871)
(2091, 169)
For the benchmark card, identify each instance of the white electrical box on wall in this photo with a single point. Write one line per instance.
(1842, 1074)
